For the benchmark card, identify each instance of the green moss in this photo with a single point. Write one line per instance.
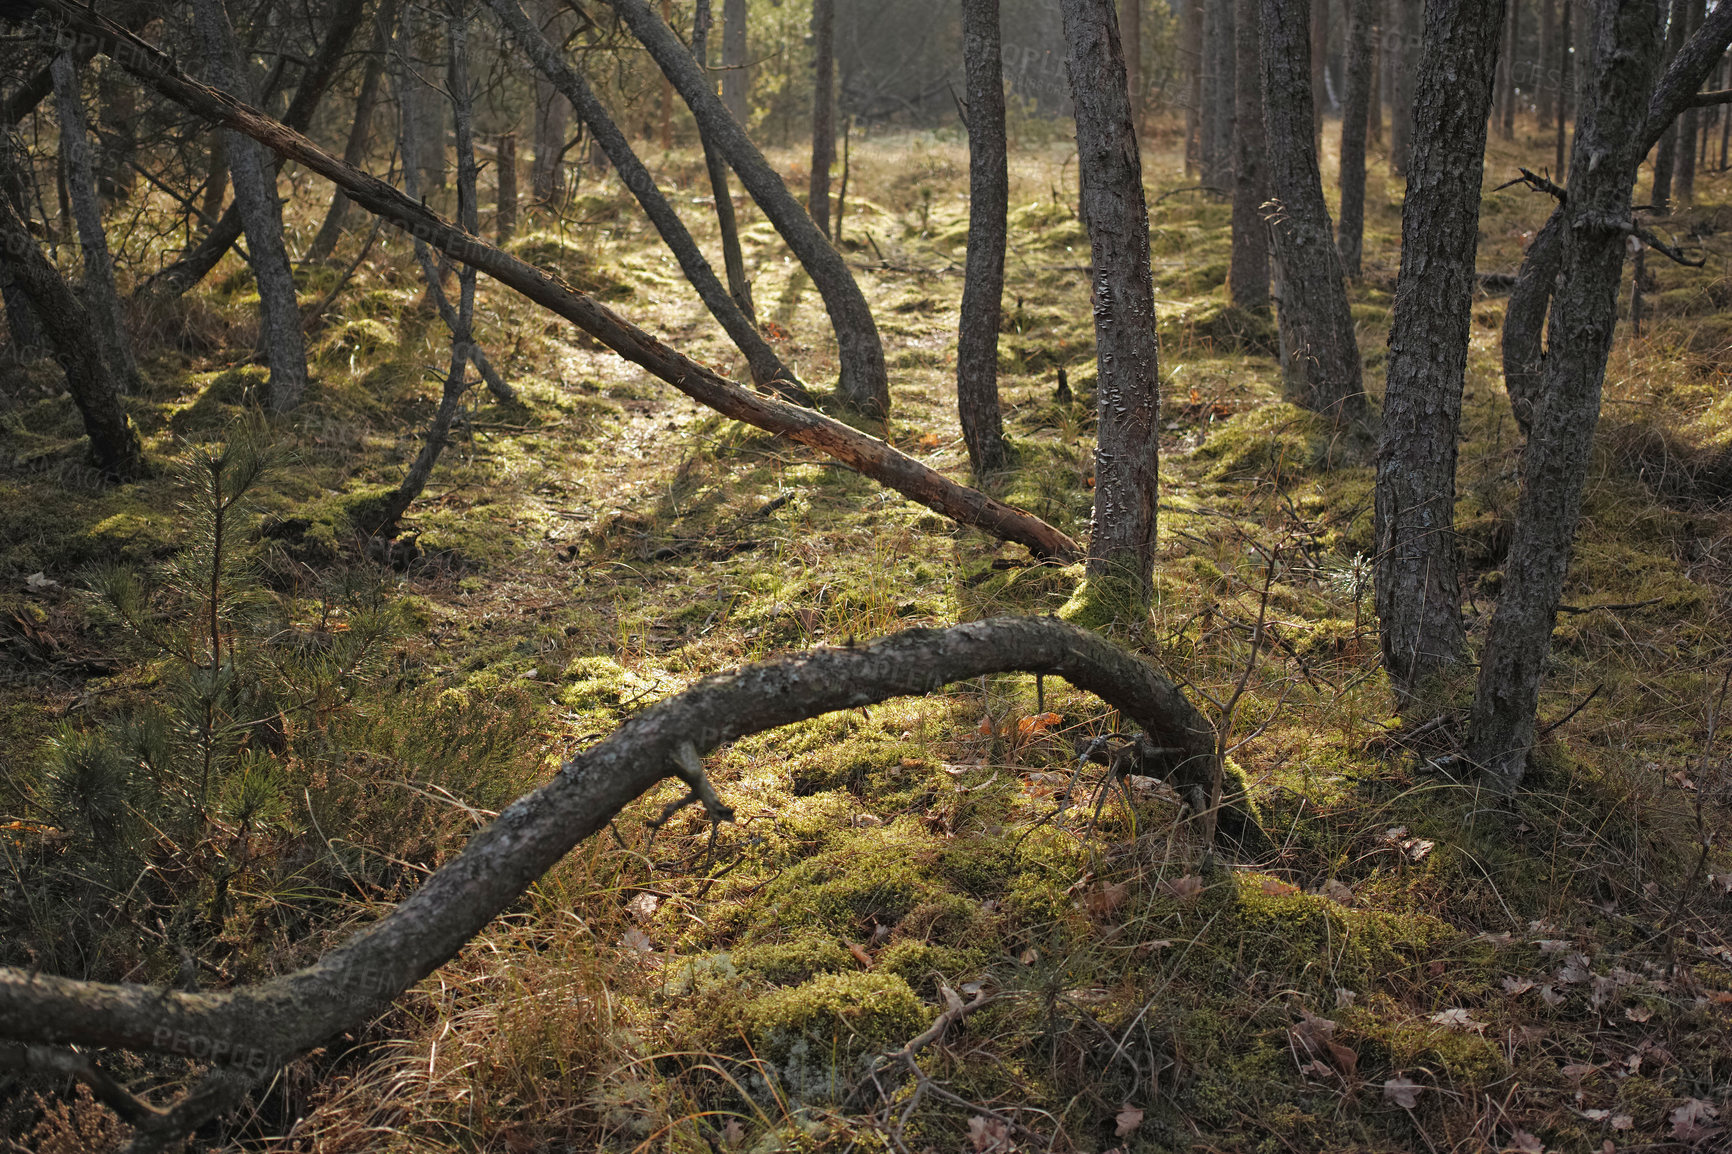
(223, 401)
(1104, 600)
(836, 1017)
(1279, 442)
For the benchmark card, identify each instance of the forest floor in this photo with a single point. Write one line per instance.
(1414, 968)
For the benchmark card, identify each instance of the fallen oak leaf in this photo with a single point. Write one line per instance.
(1402, 1091)
(1276, 888)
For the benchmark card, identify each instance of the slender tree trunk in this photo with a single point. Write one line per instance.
(1319, 64)
(1566, 84)
(113, 163)
(254, 179)
(552, 121)
(988, 203)
(1323, 372)
(864, 383)
(1556, 459)
(1131, 29)
(733, 260)
(1666, 157)
(1122, 546)
(823, 110)
(100, 293)
(1248, 275)
(1354, 109)
(1191, 61)
(216, 185)
(1216, 125)
(1684, 178)
(114, 444)
(360, 132)
(1418, 591)
(197, 262)
(767, 369)
(1511, 41)
(505, 215)
(1546, 89)
(1403, 32)
(1374, 110)
(736, 82)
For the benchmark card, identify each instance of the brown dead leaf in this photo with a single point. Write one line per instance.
(1276, 888)
(1037, 725)
(1457, 1018)
(733, 1133)
(643, 906)
(1516, 987)
(1336, 891)
(1185, 889)
(1104, 900)
(988, 1135)
(1523, 1142)
(1029, 956)
(1402, 1092)
(1638, 1013)
(1127, 1121)
(1694, 1120)
(859, 952)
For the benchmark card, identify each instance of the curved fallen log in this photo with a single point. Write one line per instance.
(257, 1028)
(871, 456)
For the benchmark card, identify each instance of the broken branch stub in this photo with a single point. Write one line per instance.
(256, 1028)
(870, 456)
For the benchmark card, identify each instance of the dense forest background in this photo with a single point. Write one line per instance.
(666, 575)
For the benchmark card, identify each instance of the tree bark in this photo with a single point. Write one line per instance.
(259, 1027)
(1319, 63)
(196, 263)
(1248, 274)
(767, 369)
(736, 81)
(261, 217)
(823, 110)
(1507, 64)
(1545, 86)
(1218, 94)
(1323, 372)
(114, 444)
(551, 122)
(866, 454)
(1417, 587)
(1191, 64)
(101, 296)
(360, 132)
(505, 212)
(1666, 158)
(1131, 29)
(733, 260)
(1524, 354)
(1566, 83)
(988, 204)
(1122, 546)
(864, 383)
(1355, 108)
(1684, 172)
(1399, 41)
(1555, 462)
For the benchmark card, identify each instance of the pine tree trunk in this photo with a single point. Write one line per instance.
(823, 111)
(1684, 177)
(864, 384)
(1212, 167)
(1374, 110)
(1323, 372)
(1666, 155)
(1126, 454)
(733, 260)
(114, 444)
(1557, 456)
(254, 179)
(1566, 102)
(1248, 274)
(1546, 89)
(988, 203)
(1319, 62)
(1191, 61)
(1354, 110)
(1402, 29)
(736, 86)
(1131, 28)
(1511, 40)
(1418, 590)
(360, 132)
(100, 294)
(767, 369)
(505, 211)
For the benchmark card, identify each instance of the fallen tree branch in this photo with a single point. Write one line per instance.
(871, 456)
(254, 1029)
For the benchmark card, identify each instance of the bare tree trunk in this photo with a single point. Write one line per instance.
(505, 214)
(736, 81)
(733, 260)
(360, 132)
(1684, 178)
(216, 184)
(767, 369)
(1191, 65)
(101, 295)
(1374, 108)
(552, 121)
(1323, 372)
(1556, 459)
(418, 100)
(988, 203)
(823, 110)
(1216, 153)
(1403, 31)
(1546, 87)
(1566, 83)
(1418, 590)
(1319, 63)
(1665, 159)
(1248, 274)
(197, 262)
(261, 217)
(1511, 39)
(1131, 28)
(114, 444)
(864, 383)
(1123, 542)
(1354, 110)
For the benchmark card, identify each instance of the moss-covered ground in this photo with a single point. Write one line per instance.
(1411, 967)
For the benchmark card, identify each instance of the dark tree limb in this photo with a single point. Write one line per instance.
(255, 1028)
(768, 371)
(871, 456)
